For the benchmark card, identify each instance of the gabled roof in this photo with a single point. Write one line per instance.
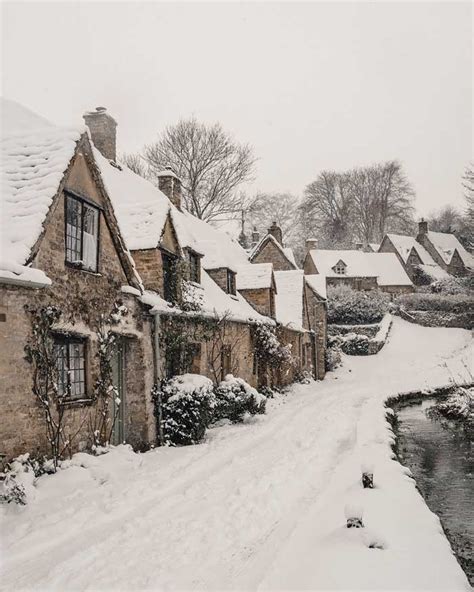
(356, 262)
(289, 298)
(254, 276)
(34, 158)
(388, 269)
(446, 244)
(317, 283)
(374, 246)
(287, 253)
(404, 245)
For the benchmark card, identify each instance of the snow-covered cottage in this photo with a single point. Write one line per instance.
(358, 269)
(62, 252)
(429, 256)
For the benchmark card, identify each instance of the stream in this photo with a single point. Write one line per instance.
(441, 458)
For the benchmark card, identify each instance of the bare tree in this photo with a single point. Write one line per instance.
(327, 208)
(210, 164)
(468, 185)
(281, 208)
(136, 163)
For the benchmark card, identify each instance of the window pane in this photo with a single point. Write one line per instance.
(60, 353)
(77, 370)
(90, 238)
(73, 229)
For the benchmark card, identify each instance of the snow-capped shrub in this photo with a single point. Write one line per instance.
(18, 480)
(234, 398)
(268, 348)
(453, 285)
(332, 358)
(351, 307)
(424, 301)
(355, 344)
(184, 405)
(458, 405)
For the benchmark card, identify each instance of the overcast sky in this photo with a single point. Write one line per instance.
(311, 86)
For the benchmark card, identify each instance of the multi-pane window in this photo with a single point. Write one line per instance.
(82, 233)
(226, 361)
(194, 267)
(230, 282)
(340, 268)
(71, 367)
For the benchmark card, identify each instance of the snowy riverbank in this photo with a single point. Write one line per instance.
(257, 506)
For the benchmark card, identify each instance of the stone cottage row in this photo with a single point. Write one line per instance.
(131, 288)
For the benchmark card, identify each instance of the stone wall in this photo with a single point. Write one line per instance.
(316, 320)
(219, 275)
(356, 283)
(262, 300)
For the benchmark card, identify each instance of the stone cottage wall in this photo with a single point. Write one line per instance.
(270, 253)
(263, 300)
(83, 297)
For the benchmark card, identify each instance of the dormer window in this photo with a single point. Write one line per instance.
(82, 234)
(194, 267)
(340, 268)
(230, 282)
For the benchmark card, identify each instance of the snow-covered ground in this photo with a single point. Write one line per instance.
(257, 506)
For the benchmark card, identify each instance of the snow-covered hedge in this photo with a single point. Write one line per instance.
(351, 307)
(443, 302)
(235, 398)
(187, 404)
(332, 358)
(453, 285)
(357, 343)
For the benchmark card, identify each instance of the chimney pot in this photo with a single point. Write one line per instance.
(275, 231)
(423, 226)
(103, 130)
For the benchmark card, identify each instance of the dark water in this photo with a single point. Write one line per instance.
(441, 458)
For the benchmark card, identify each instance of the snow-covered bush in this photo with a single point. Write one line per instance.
(18, 480)
(183, 407)
(332, 357)
(424, 301)
(355, 344)
(234, 398)
(268, 348)
(453, 285)
(351, 307)
(458, 405)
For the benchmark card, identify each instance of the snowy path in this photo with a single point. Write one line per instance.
(258, 506)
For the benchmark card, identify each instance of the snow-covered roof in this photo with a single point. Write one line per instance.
(404, 244)
(34, 158)
(374, 246)
(317, 283)
(290, 255)
(357, 264)
(434, 271)
(269, 237)
(254, 276)
(446, 243)
(218, 248)
(289, 298)
(388, 269)
(212, 302)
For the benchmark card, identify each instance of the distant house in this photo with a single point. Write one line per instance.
(358, 269)
(271, 250)
(446, 250)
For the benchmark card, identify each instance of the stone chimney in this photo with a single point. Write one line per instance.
(170, 184)
(311, 244)
(275, 231)
(255, 236)
(422, 227)
(359, 246)
(103, 129)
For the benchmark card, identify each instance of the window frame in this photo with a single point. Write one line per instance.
(194, 265)
(173, 260)
(68, 340)
(231, 283)
(84, 202)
